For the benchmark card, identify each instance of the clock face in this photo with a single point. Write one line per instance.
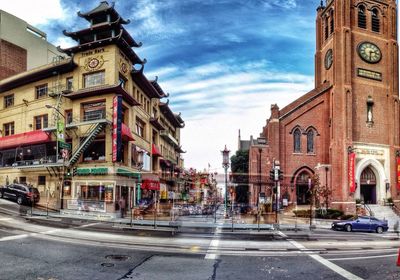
(328, 59)
(369, 52)
(93, 63)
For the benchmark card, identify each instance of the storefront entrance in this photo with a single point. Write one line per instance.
(368, 186)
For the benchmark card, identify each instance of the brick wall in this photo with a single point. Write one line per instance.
(13, 59)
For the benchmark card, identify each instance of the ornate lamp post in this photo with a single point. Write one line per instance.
(225, 165)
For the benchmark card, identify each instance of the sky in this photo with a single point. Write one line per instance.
(224, 62)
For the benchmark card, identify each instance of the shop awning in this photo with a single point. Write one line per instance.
(127, 173)
(155, 151)
(151, 185)
(165, 162)
(126, 133)
(26, 138)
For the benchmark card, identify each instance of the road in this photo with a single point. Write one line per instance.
(93, 250)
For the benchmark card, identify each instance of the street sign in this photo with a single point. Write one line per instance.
(64, 145)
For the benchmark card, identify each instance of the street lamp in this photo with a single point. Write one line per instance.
(59, 136)
(225, 165)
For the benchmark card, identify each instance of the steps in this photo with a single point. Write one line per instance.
(384, 212)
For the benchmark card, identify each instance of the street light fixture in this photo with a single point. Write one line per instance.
(225, 165)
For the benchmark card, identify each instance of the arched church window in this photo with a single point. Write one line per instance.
(332, 24)
(375, 20)
(297, 141)
(362, 18)
(310, 141)
(326, 28)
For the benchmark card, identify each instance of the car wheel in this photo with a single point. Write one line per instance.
(19, 200)
(347, 228)
(379, 229)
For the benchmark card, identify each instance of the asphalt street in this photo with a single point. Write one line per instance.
(93, 250)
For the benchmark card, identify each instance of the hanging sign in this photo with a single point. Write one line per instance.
(352, 183)
(117, 127)
(398, 173)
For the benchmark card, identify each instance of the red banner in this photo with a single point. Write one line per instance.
(398, 174)
(117, 128)
(352, 182)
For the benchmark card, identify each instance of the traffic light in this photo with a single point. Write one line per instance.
(276, 174)
(74, 170)
(280, 175)
(272, 174)
(67, 174)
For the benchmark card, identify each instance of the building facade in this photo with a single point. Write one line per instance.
(86, 129)
(346, 129)
(22, 46)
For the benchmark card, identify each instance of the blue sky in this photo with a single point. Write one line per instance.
(224, 62)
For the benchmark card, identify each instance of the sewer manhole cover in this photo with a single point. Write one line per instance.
(117, 257)
(107, 264)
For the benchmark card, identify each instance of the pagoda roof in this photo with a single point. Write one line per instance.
(37, 74)
(76, 35)
(103, 89)
(175, 119)
(102, 8)
(119, 40)
(151, 88)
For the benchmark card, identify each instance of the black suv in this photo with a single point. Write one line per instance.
(20, 193)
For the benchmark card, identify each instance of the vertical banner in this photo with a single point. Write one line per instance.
(117, 127)
(352, 183)
(398, 174)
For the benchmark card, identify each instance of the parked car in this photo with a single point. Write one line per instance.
(361, 223)
(22, 194)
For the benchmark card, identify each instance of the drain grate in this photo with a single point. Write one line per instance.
(107, 264)
(117, 257)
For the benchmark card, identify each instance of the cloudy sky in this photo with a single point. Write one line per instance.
(224, 62)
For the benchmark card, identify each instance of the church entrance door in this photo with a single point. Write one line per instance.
(368, 186)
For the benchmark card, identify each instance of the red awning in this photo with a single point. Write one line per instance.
(155, 151)
(126, 133)
(26, 138)
(151, 185)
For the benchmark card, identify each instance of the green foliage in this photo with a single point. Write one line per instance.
(240, 167)
(330, 214)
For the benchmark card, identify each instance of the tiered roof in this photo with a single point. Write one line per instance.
(175, 119)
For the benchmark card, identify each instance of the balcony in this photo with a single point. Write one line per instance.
(169, 138)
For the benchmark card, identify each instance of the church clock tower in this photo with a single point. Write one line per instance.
(357, 54)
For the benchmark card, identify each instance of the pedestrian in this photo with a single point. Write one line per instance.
(122, 206)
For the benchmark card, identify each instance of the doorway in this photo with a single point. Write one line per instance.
(303, 193)
(368, 186)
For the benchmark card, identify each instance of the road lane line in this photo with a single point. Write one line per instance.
(211, 255)
(344, 273)
(362, 258)
(14, 237)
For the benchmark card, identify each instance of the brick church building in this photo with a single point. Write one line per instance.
(347, 128)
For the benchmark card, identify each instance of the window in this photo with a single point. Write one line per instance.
(94, 79)
(8, 129)
(297, 140)
(41, 122)
(68, 84)
(362, 18)
(370, 104)
(22, 180)
(8, 100)
(94, 111)
(326, 28)
(68, 116)
(375, 20)
(122, 81)
(41, 180)
(41, 91)
(140, 125)
(96, 151)
(310, 141)
(332, 27)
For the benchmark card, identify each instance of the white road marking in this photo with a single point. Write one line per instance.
(211, 255)
(14, 237)
(88, 225)
(344, 273)
(5, 219)
(362, 258)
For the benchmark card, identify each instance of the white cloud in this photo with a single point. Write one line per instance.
(34, 12)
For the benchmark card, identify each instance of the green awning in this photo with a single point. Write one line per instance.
(127, 173)
(99, 171)
(83, 171)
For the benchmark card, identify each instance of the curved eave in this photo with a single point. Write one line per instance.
(140, 79)
(118, 40)
(160, 91)
(179, 150)
(156, 123)
(33, 76)
(164, 108)
(102, 8)
(105, 89)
